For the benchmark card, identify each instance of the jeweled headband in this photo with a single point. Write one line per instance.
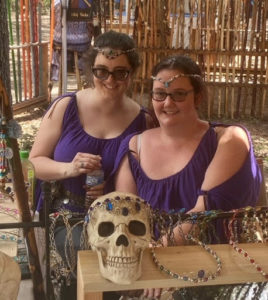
(112, 53)
(120, 204)
(168, 82)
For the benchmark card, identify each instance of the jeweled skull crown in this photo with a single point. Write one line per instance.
(119, 230)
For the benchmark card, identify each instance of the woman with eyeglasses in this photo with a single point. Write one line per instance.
(187, 163)
(81, 132)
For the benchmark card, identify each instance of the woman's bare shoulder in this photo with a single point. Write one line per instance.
(232, 134)
(58, 107)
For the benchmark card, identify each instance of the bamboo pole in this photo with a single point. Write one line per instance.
(227, 61)
(64, 46)
(11, 41)
(192, 34)
(111, 13)
(36, 39)
(208, 35)
(31, 38)
(256, 61)
(174, 25)
(120, 15)
(41, 90)
(251, 33)
(28, 50)
(234, 14)
(128, 15)
(23, 49)
(265, 45)
(18, 50)
(242, 65)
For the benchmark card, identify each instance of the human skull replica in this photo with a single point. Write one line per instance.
(119, 230)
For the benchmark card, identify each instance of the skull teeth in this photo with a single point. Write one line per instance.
(115, 261)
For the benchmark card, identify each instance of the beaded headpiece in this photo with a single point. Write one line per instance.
(112, 53)
(120, 204)
(168, 82)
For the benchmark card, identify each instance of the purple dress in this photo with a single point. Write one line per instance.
(74, 139)
(182, 189)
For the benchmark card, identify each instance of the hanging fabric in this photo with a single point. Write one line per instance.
(80, 10)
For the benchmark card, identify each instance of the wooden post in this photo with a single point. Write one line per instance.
(23, 206)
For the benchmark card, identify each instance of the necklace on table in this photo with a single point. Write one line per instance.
(201, 275)
(234, 243)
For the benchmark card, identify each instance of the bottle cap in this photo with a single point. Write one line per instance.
(24, 154)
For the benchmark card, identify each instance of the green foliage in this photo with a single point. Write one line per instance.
(26, 140)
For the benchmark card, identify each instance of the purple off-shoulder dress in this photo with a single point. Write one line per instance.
(74, 139)
(182, 189)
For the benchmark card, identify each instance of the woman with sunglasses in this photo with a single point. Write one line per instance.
(187, 163)
(81, 132)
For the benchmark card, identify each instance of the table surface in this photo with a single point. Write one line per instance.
(181, 259)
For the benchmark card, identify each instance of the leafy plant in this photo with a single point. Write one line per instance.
(26, 140)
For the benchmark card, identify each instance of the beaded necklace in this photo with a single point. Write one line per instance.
(201, 275)
(234, 243)
(11, 237)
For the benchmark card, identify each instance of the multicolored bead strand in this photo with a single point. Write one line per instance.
(10, 238)
(249, 258)
(201, 275)
(241, 251)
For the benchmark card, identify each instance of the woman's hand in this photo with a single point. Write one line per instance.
(152, 293)
(92, 193)
(83, 163)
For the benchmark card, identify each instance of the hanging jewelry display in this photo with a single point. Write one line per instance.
(6, 153)
(263, 217)
(63, 267)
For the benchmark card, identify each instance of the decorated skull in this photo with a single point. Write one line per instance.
(119, 230)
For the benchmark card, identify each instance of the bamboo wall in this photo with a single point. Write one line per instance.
(228, 38)
(28, 54)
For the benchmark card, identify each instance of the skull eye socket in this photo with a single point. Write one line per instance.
(105, 229)
(137, 228)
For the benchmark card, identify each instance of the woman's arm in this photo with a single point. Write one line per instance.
(45, 142)
(233, 148)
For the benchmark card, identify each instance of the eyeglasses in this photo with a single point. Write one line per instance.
(103, 74)
(178, 96)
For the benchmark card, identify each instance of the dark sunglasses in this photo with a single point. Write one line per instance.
(103, 74)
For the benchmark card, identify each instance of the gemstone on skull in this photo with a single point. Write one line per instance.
(124, 211)
(109, 206)
(137, 206)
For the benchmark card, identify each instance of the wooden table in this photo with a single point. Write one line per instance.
(182, 259)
